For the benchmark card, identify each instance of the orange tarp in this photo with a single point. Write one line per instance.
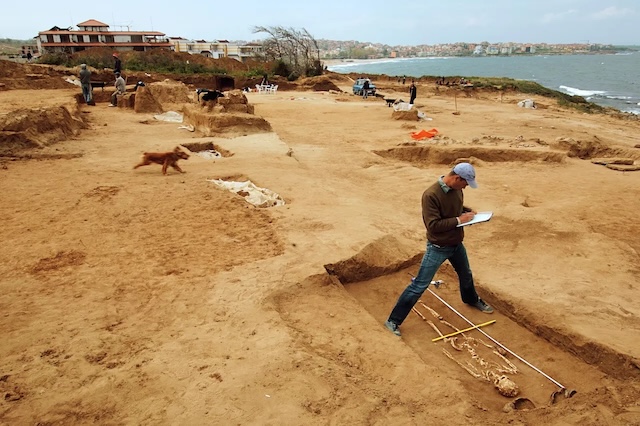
(424, 134)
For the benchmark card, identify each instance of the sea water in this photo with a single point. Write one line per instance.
(608, 80)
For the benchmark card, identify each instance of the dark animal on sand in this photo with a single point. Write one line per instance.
(165, 159)
(209, 95)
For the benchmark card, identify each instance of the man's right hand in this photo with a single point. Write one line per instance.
(466, 217)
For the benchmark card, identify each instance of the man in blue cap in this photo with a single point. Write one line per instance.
(442, 212)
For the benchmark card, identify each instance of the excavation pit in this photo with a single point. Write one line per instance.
(545, 354)
(207, 150)
(423, 156)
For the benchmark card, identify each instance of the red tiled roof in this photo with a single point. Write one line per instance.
(92, 23)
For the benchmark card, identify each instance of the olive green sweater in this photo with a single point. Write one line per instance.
(439, 212)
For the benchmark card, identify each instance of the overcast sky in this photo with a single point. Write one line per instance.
(408, 22)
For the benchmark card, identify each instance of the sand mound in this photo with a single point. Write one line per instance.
(411, 115)
(146, 102)
(591, 149)
(229, 115)
(381, 257)
(36, 128)
(319, 84)
(211, 124)
(150, 98)
(333, 76)
(169, 91)
(30, 76)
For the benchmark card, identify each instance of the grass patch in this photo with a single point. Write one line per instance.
(161, 61)
(533, 88)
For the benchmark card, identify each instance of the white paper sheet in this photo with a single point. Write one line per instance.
(479, 217)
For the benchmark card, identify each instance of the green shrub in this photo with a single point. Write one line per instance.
(281, 68)
(56, 58)
(315, 69)
(255, 72)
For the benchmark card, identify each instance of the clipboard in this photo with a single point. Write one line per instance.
(478, 218)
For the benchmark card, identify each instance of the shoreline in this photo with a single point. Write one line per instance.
(544, 69)
(334, 62)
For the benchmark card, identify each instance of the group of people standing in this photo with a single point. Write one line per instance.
(119, 84)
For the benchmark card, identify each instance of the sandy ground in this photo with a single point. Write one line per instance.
(128, 297)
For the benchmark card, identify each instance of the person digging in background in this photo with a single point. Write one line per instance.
(442, 211)
(120, 89)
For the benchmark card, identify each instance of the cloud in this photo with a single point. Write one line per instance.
(611, 12)
(555, 17)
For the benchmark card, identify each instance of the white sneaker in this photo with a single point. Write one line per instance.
(111, 105)
(392, 327)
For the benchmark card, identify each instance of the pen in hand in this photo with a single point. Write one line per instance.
(466, 217)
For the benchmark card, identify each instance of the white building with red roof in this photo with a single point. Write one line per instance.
(93, 33)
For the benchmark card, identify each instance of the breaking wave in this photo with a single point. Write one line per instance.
(580, 92)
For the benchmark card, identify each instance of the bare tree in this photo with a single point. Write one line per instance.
(298, 49)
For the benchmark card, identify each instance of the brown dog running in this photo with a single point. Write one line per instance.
(166, 159)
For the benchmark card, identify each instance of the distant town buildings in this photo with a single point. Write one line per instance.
(330, 49)
(216, 48)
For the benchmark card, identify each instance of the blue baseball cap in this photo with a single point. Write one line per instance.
(466, 172)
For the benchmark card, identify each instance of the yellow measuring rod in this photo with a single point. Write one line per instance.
(462, 331)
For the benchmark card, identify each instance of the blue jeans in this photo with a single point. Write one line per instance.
(86, 92)
(433, 258)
